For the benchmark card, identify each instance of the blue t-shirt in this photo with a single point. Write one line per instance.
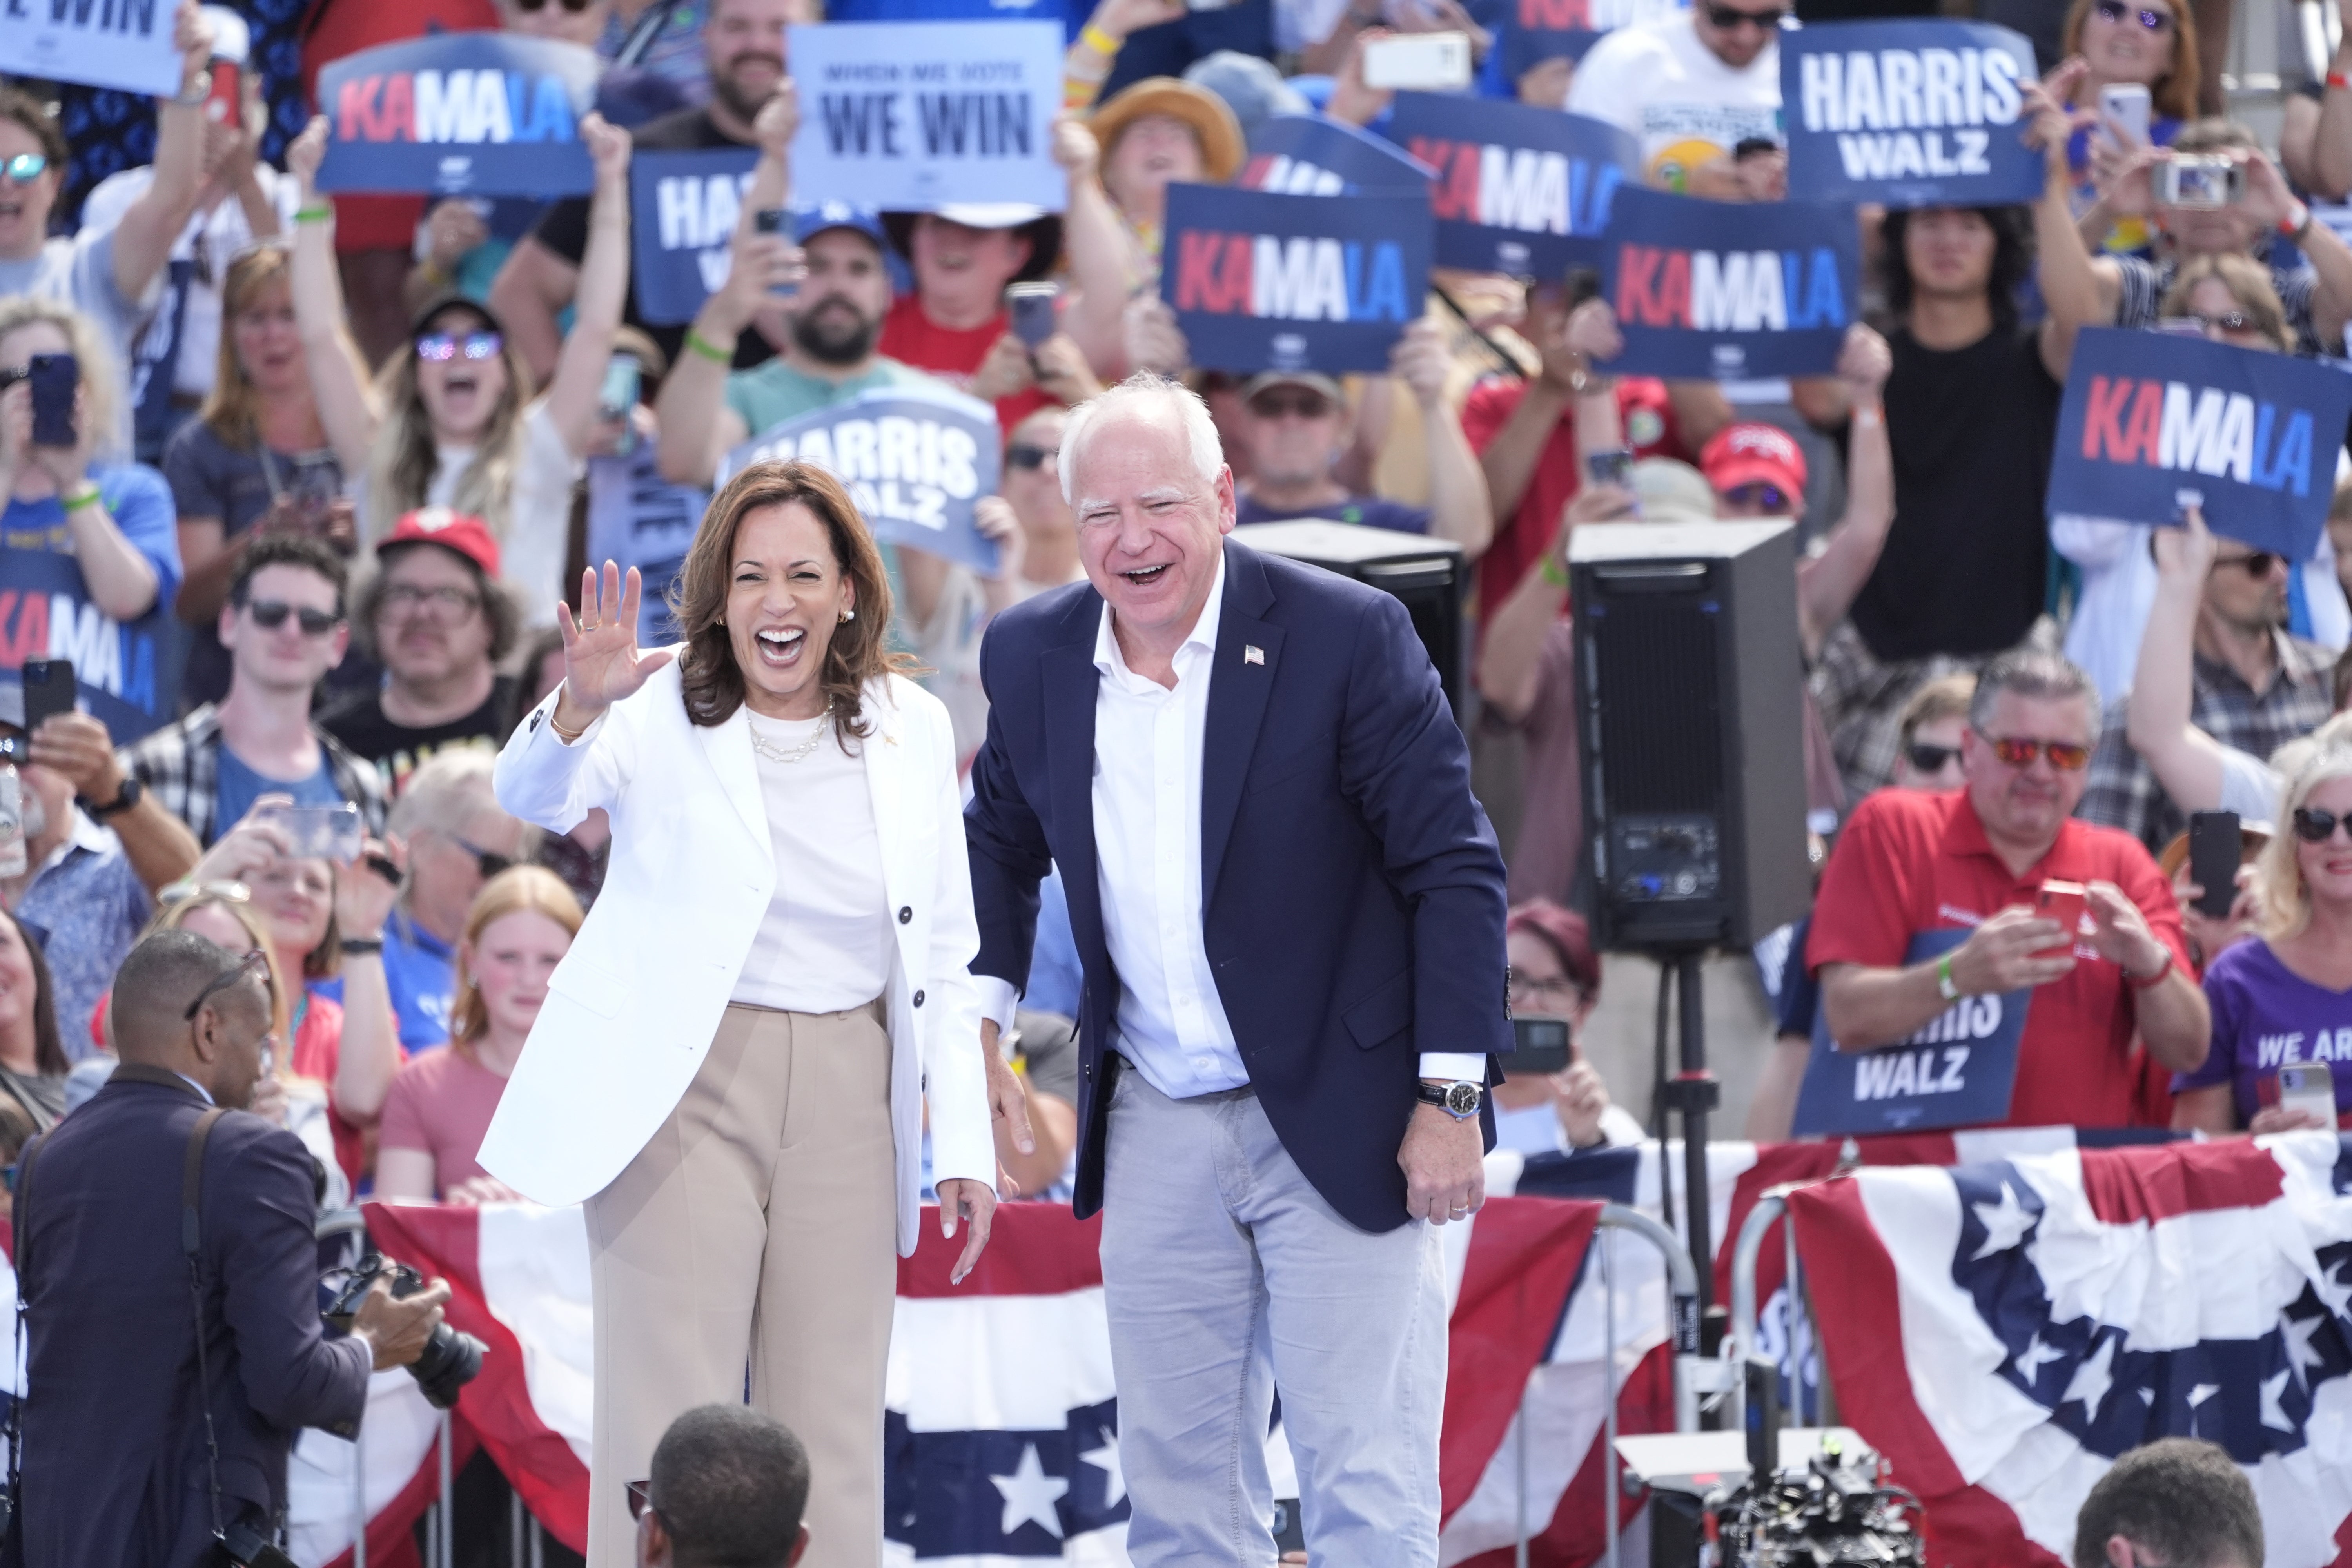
(419, 969)
(239, 786)
(2266, 1016)
(135, 496)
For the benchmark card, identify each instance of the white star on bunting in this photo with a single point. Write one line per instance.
(2005, 1224)
(1106, 1459)
(1030, 1494)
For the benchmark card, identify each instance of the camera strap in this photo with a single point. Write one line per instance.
(191, 1187)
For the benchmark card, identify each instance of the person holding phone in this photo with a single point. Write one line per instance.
(2137, 87)
(1554, 974)
(2282, 999)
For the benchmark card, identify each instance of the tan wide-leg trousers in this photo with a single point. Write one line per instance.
(757, 1229)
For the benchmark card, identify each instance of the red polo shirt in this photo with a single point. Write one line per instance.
(1910, 861)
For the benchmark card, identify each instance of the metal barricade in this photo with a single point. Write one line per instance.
(1744, 1332)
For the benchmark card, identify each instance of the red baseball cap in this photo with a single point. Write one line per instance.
(469, 536)
(1755, 453)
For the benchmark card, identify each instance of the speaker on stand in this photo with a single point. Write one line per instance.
(1428, 575)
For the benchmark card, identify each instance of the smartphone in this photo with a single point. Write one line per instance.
(1611, 467)
(224, 104)
(2063, 902)
(54, 378)
(618, 398)
(2214, 856)
(2309, 1085)
(1032, 306)
(1290, 1524)
(48, 691)
(2125, 106)
(775, 220)
(1543, 1047)
(320, 832)
(1418, 62)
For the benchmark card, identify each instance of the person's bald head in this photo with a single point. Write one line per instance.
(167, 976)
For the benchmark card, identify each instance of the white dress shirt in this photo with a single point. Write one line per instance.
(1172, 1022)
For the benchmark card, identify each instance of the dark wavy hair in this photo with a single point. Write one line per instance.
(859, 650)
(2012, 259)
(49, 1059)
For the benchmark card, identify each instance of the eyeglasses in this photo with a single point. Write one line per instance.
(252, 962)
(1300, 404)
(1525, 987)
(1023, 455)
(403, 598)
(2067, 756)
(442, 347)
(641, 1498)
(270, 613)
(2255, 563)
(2116, 11)
(2313, 826)
(1724, 18)
(1926, 759)
(25, 167)
(490, 862)
(1759, 495)
(182, 892)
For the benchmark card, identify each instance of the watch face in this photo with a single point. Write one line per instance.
(1462, 1099)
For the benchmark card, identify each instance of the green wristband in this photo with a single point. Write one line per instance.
(708, 350)
(316, 212)
(1552, 571)
(1945, 986)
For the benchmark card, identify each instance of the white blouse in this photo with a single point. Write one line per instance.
(825, 945)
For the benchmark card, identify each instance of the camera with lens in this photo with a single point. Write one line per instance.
(451, 1358)
(2199, 182)
(1834, 1514)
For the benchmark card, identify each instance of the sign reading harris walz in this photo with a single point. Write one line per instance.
(1728, 290)
(1915, 113)
(476, 114)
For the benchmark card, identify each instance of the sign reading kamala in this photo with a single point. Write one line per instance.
(915, 458)
(129, 674)
(1957, 1072)
(124, 44)
(1538, 30)
(1918, 114)
(1723, 290)
(1308, 155)
(1520, 190)
(2152, 423)
(1261, 281)
(912, 116)
(476, 114)
(682, 212)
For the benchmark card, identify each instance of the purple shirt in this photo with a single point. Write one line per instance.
(2266, 1016)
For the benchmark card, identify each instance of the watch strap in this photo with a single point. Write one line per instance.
(1441, 1096)
(124, 799)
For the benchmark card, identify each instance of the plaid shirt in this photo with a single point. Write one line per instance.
(180, 767)
(1862, 697)
(2123, 792)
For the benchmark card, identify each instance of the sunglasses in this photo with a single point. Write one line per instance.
(1762, 496)
(641, 1498)
(1021, 454)
(490, 862)
(270, 613)
(442, 347)
(1926, 759)
(1724, 18)
(1279, 404)
(2313, 826)
(254, 962)
(2255, 563)
(2067, 756)
(2116, 11)
(2230, 321)
(25, 167)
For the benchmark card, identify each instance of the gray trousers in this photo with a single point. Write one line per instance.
(1227, 1276)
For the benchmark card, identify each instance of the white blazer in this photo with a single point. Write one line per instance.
(632, 1009)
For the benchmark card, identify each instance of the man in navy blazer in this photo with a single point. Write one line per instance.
(115, 1468)
(1289, 909)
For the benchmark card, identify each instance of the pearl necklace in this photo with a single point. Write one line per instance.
(801, 752)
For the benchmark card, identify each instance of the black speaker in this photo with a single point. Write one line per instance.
(1691, 683)
(1428, 575)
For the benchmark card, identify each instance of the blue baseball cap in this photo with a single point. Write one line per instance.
(808, 221)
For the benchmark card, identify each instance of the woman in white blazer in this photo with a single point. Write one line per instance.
(731, 1065)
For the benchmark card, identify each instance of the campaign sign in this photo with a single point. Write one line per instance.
(913, 116)
(1729, 290)
(1908, 114)
(1261, 281)
(1957, 1072)
(915, 458)
(124, 44)
(2153, 423)
(638, 519)
(1538, 30)
(129, 674)
(472, 114)
(683, 208)
(1520, 190)
(1308, 155)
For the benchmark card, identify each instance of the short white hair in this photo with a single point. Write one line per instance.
(1199, 431)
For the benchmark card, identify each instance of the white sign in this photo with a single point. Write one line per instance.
(124, 44)
(913, 116)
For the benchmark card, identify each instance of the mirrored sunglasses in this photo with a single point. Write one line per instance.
(2064, 755)
(2116, 11)
(25, 167)
(442, 347)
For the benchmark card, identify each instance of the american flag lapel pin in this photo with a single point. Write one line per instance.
(1253, 654)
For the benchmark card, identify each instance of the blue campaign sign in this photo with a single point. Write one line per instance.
(475, 114)
(2153, 423)
(1908, 114)
(1729, 290)
(913, 116)
(1957, 1071)
(122, 44)
(129, 674)
(1520, 190)
(915, 459)
(1308, 155)
(683, 208)
(639, 519)
(1261, 281)
(1534, 31)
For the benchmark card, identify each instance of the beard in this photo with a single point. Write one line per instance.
(835, 345)
(735, 102)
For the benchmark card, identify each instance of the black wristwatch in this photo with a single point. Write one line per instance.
(124, 799)
(1460, 1100)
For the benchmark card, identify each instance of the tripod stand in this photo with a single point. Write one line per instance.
(1690, 1093)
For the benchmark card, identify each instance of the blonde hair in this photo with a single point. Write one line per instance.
(231, 408)
(2249, 283)
(231, 900)
(99, 374)
(2281, 898)
(403, 461)
(518, 890)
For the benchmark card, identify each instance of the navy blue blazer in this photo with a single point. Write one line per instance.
(113, 1435)
(1352, 896)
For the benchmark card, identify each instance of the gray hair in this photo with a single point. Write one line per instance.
(1208, 453)
(2036, 673)
(448, 787)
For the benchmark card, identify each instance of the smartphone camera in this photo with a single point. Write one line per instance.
(1541, 1048)
(2198, 182)
(1032, 308)
(776, 220)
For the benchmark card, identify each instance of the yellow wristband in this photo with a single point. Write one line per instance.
(1095, 38)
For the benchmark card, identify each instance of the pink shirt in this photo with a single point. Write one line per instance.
(442, 1102)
